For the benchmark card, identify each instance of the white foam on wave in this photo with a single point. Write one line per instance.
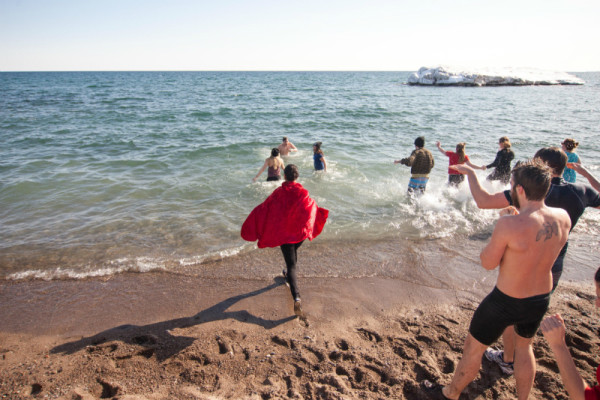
(458, 76)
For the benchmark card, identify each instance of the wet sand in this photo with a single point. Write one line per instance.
(163, 335)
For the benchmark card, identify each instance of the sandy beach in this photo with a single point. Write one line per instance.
(172, 336)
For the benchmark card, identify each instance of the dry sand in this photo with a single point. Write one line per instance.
(196, 338)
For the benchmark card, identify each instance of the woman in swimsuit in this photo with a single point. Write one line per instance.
(319, 161)
(569, 145)
(275, 164)
(502, 162)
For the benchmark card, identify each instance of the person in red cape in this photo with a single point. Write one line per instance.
(286, 218)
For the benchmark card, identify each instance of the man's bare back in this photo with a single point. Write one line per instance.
(525, 246)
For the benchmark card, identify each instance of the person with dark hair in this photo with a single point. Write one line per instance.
(318, 158)
(455, 177)
(524, 244)
(574, 198)
(286, 146)
(569, 145)
(274, 165)
(502, 162)
(285, 219)
(421, 163)
(553, 328)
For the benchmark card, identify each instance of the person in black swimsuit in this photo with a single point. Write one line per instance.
(502, 162)
(574, 198)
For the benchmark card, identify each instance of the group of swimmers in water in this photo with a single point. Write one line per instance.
(528, 246)
(421, 162)
(274, 164)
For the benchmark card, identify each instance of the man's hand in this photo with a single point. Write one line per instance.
(462, 168)
(579, 168)
(553, 328)
(510, 210)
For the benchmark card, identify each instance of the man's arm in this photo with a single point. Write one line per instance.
(553, 328)
(482, 198)
(492, 253)
(292, 147)
(580, 169)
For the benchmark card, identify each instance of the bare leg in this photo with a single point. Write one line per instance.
(508, 338)
(467, 368)
(524, 366)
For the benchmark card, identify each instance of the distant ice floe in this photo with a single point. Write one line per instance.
(452, 76)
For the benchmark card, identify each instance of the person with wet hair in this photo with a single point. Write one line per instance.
(274, 165)
(569, 145)
(502, 162)
(286, 219)
(455, 178)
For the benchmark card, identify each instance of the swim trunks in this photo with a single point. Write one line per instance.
(417, 184)
(499, 311)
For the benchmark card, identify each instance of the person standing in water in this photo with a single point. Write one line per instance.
(274, 164)
(420, 163)
(502, 162)
(286, 219)
(569, 145)
(318, 158)
(455, 177)
(286, 147)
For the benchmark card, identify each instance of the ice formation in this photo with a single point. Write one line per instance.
(448, 76)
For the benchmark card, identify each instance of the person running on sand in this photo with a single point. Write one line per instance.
(502, 162)
(421, 163)
(525, 242)
(286, 218)
(455, 177)
(275, 164)
(569, 145)
(286, 147)
(318, 158)
(553, 328)
(574, 198)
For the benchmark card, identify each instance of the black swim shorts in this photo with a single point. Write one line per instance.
(499, 311)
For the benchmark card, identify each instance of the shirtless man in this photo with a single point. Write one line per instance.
(525, 242)
(286, 146)
(571, 197)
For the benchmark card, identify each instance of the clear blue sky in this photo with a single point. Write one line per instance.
(46, 35)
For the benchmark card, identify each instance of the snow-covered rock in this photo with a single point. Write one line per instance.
(448, 76)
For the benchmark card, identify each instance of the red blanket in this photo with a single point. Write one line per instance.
(288, 215)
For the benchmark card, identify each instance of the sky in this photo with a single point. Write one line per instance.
(269, 35)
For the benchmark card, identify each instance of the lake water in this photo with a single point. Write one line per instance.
(104, 172)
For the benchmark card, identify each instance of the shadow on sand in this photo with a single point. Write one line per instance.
(157, 339)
